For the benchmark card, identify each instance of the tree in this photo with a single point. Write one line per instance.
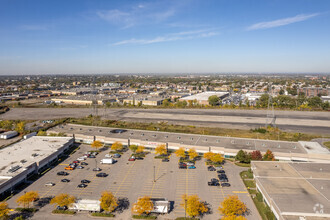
(161, 149)
(192, 153)
(208, 155)
(96, 144)
(133, 148)
(166, 103)
(217, 158)
(232, 206)
(315, 102)
(242, 156)
(140, 149)
(180, 152)
(117, 146)
(143, 205)
(4, 210)
(269, 155)
(108, 201)
(7, 125)
(20, 127)
(62, 200)
(42, 133)
(27, 198)
(193, 206)
(213, 100)
(256, 155)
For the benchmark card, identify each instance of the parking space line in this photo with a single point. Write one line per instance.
(154, 182)
(128, 172)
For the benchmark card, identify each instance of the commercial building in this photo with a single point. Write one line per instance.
(28, 157)
(203, 98)
(148, 101)
(294, 191)
(85, 99)
(228, 146)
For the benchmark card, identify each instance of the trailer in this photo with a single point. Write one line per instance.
(86, 205)
(108, 161)
(8, 134)
(161, 206)
(30, 135)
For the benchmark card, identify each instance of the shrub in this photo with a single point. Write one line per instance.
(66, 212)
(101, 214)
(144, 217)
(30, 210)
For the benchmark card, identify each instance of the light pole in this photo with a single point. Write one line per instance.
(154, 174)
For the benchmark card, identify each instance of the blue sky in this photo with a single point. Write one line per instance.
(179, 36)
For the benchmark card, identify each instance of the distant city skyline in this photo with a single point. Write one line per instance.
(186, 36)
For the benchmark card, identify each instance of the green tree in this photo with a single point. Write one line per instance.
(20, 127)
(243, 157)
(213, 100)
(268, 156)
(315, 102)
(133, 147)
(42, 133)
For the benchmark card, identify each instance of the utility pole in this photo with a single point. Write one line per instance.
(154, 174)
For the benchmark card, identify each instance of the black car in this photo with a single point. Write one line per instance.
(118, 131)
(84, 163)
(225, 184)
(61, 208)
(183, 166)
(213, 183)
(101, 175)
(85, 181)
(91, 156)
(210, 168)
(223, 179)
(214, 180)
(62, 173)
(182, 163)
(165, 160)
(139, 158)
(222, 175)
(82, 185)
(221, 171)
(65, 180)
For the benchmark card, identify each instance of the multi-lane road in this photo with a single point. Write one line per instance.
(297, 121)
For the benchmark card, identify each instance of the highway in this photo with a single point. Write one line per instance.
(295, 121)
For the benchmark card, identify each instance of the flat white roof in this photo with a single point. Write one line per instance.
(204, 96)
(27, 152)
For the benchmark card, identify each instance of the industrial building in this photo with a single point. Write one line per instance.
(203, 98)
(25, 158)
(294, 191)
(228, 146)
(148, 101)
(85, 99)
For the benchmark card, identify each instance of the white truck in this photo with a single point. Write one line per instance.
(161, 206)
(86, 205)
(108, 161)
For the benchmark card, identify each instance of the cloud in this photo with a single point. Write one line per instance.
(282, 22)
(34, 27)
(170, 37)
(117, 17)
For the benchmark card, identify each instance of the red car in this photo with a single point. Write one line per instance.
(76, 161)
(131, 159)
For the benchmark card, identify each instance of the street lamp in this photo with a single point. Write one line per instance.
(154, 174)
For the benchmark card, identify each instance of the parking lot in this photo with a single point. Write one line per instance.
(129, 180)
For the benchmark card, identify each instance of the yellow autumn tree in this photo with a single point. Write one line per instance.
(96, 144)
(232, 206)
(4, 210)
(193, 206)
(208, 155)
(27, 198)
(143, 205)
(217, 158)
(108, 201)
(192, 153)
(63, 199)
(161, 149)
(140, 149)
(117, 146)
(20, 127)
(180, 152)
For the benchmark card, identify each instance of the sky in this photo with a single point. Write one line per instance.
(164, 36)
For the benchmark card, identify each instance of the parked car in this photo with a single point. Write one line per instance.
(118, 131)
(108, 155)
(183, 166)
(101, 175)
(190, 164)
(84, 163)
(139, 158)
(81, 158)
(214, 180)
(65, 180)
(211, 183)
(82, 185)
(97, 169)
(182, 163)
(165, 160)
(91, 156)
(191, 167)
(69, 168)
(94, 153)
(85, 181)
(76, 161)
(116, 155)
(61, 208)
(50, 184)
(211, 168)
(225, 184)
(62, 173)
(80, 167)
(131, 159)
(221, 171)
(219, 168)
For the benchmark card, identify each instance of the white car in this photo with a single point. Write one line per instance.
(50, 184)
(108, 155)
(81, 158)
(190, 164)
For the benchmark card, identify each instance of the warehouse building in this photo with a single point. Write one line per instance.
(294, 191)
(203, 98)
(23, 159)
(85, 99)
